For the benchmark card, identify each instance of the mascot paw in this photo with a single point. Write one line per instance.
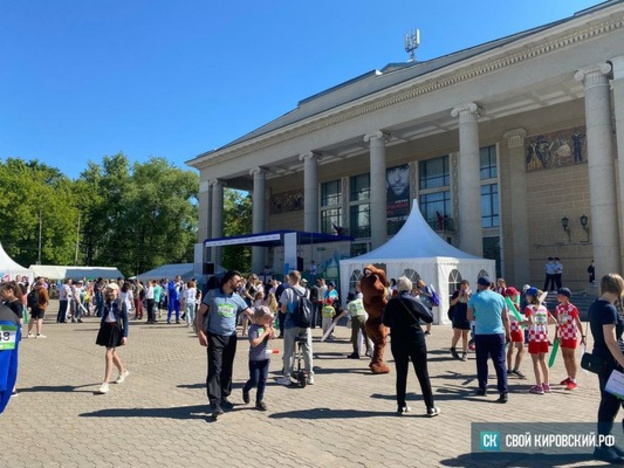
(379, 368)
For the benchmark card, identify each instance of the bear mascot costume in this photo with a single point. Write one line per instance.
(374, 288)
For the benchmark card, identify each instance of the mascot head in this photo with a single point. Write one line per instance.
(374, 282)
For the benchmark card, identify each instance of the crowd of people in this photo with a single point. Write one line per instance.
(499, 322)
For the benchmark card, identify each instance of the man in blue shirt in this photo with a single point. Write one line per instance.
(489, 312)
(216, 327)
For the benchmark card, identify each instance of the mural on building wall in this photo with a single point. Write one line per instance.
(397, 197)
(287, 201)
(556, 149)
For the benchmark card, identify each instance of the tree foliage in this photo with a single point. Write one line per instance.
(133, 217)
(237, 220)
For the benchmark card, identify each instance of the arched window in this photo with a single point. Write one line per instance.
(454, 279)
(483, 273)
(355, 279)
(412, 275)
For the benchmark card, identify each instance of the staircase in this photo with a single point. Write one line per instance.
(581, 299)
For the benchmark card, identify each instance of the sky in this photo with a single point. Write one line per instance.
(175, 78)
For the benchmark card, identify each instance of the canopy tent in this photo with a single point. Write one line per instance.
(185, 270)
(417, 251)
(57, 272)
(9, 268)
(276, 238)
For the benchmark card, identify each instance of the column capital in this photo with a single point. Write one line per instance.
(467, 112)
(515, 137)
(258, 170)
(215, 182)
(310, 155)
(377, 135)
(594, 75)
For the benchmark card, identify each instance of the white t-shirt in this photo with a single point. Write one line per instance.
(127, 298)
(190, 295)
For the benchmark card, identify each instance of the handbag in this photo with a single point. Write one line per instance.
(592, 363)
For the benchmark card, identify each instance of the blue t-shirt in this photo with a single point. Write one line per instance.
(257, 353)
(222, 312)
(602, 312)
(488, 308)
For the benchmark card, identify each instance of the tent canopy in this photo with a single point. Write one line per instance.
(417, 251)
(185, 270)
(10, 268)
(74, 272)
(275, 239)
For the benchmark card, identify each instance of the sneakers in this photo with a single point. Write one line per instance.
(427, 334)
(518, 374)
(30, 335)
(369, 354)
(39, 335)
(310, 380)
(481, 392)
(103, 389)
(546, 388)
(245, 396)
(401, 410)
(122, 376)
(609, 455)
(536, 389)
(261, 406)
(454, 353)
(284, 381)
(565, 382)
(353, 355)
(571, 385)
(433, 411)
(503, 398)
(464, 357)
(226, 404)
(14, 394)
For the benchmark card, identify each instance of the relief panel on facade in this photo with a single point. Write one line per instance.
(556, 149)
(287, 201)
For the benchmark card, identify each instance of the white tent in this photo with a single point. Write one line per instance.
(416, 251)
(60, 272)
(10, 268)
(185, 270)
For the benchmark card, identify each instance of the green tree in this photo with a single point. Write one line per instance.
(237, 220)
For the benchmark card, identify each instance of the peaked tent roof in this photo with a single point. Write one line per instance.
(415, 239)
(185, 270)
(9, 266)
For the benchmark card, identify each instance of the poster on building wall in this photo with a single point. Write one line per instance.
(556, 149)
(287, 201)
(397, 197)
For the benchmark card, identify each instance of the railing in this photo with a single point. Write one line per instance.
(442, 224)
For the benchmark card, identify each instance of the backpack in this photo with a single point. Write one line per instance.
(302, 315)
(32, 300)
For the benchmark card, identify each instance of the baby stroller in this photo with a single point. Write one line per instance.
(300, 374)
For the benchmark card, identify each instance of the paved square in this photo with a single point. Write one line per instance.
(158, 417)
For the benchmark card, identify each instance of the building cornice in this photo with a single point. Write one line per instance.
(513, 54)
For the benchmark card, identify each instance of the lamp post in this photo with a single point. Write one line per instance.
(565, 224)
(584, 220)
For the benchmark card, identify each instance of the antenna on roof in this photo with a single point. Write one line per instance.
(412, 41)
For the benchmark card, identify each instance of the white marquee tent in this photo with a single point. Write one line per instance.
(58, 272)
(185, 270)
(418, 251)
(11, 268)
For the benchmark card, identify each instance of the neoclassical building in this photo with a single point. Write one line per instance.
(510, 148)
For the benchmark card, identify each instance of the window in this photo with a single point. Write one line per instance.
(433, 203)
(455, 278)
(354, 280)
(489, 206)
(360, 188)
(331, 206)
(412, 275)
(434, 173)
(492, 250)
(331, 193)
(359, 220)
(488, 162)
(359, 248)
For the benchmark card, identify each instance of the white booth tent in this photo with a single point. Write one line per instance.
(57, 272)
(10, 268)
(417, 251)
(170, 271)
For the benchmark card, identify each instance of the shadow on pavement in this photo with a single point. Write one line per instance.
(58, 388)
(329, 413)
(177, 412)
(520, 460)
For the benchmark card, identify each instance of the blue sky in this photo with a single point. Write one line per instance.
(81, 79)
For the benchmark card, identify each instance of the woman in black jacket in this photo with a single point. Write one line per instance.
(402, 315)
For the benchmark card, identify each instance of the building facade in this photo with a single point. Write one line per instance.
(510, 148)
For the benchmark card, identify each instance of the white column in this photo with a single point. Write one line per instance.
(378, 209)
(601, 168)
(217, 216)
(310, 191)
(208, 251)
(617, 85)
(259, 216)
(470, 232)
(519, 209)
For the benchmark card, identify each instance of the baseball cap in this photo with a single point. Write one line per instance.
(531, 292)
(484, 281)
